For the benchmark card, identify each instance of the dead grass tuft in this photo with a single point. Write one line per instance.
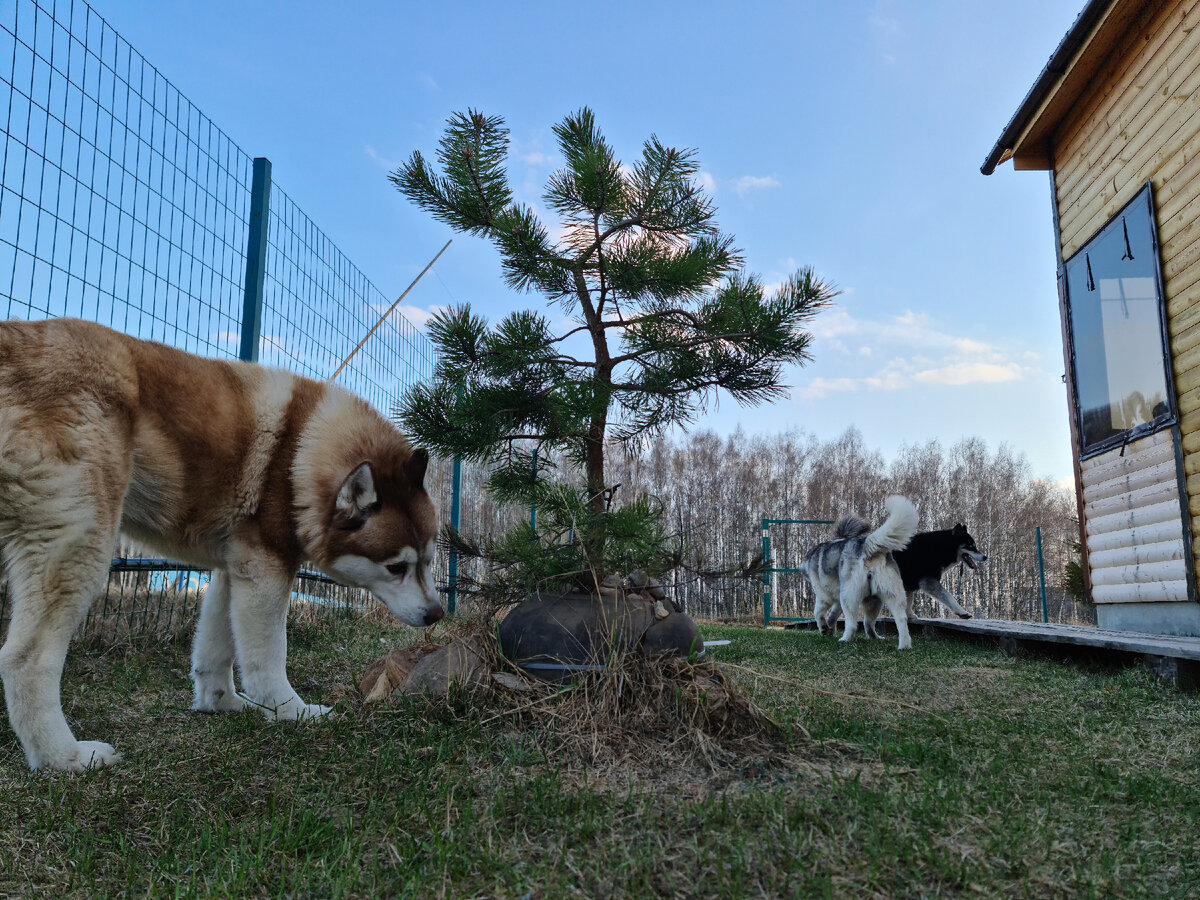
(650, 717)
(139, 617)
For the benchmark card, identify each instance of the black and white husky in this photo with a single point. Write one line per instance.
(922, 564)
(856, 565)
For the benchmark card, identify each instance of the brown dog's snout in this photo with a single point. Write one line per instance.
(434, 615)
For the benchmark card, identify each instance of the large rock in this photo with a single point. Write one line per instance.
(676, 633)
(568, 632)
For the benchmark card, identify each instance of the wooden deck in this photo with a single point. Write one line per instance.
(1175, 659)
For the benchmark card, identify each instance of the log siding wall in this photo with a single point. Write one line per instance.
(1135, 522)
(1141, 121)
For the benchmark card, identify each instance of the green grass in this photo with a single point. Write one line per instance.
(947, 771)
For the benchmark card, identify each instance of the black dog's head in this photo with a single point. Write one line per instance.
(967, 551)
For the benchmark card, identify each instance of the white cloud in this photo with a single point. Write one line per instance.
(970, 373)
(917, 353)
(428, 82)
(748, 183)
(823, 387)
(707, 182)
(388, 164)
(885, 380)
(418, 316)
(888, 33)
(835, 322)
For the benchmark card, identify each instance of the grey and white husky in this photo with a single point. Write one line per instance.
(243, 469)
(858, 564)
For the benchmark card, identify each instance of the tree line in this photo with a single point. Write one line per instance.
(715, 491)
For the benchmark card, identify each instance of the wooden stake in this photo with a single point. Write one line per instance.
(354, 352)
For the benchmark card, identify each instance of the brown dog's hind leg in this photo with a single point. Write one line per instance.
(57, 563)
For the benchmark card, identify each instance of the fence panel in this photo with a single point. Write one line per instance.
(317, 305)
(159, 600)
(121, 202)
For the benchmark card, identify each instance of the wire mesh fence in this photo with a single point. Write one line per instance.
(122, 203)
(317, 305)
(159, 600)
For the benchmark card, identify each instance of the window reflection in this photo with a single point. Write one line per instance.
(1116, 326)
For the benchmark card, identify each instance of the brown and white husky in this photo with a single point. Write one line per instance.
(246, 470)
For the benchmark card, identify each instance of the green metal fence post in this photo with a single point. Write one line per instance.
(256, 259)
(1041, 574)
(769, 570)
(533, 504)
(766, 572)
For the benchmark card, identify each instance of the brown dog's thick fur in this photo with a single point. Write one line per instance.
(236, 467)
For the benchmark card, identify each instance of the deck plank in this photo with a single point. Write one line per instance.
(1175, 658)
(1078, 635)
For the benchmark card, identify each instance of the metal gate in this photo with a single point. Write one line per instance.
(788, 550)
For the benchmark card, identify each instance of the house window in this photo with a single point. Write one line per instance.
(1114, 298)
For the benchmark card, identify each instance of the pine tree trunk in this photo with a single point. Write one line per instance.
(594, 536)
(595, 468)
(593, 540)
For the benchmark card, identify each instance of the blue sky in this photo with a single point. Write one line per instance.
(843, 135)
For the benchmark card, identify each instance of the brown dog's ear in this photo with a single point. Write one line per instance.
(356, 498)
(416, 466)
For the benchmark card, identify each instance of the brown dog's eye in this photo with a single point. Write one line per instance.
(398, 569)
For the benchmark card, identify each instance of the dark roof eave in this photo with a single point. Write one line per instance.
(1055, 68)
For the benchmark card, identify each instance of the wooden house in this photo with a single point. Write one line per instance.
(1115, 119)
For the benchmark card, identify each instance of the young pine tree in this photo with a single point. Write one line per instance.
(662, 316)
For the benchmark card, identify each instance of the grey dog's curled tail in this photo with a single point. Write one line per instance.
(896, 531)
(851, 527)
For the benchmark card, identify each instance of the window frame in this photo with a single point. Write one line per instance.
(1171, 417)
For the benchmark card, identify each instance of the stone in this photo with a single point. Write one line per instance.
(425, 669)
(641, 582)
(512, 682)
(461, 662)
(576, 630)
(677, 634)
(383, 675)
